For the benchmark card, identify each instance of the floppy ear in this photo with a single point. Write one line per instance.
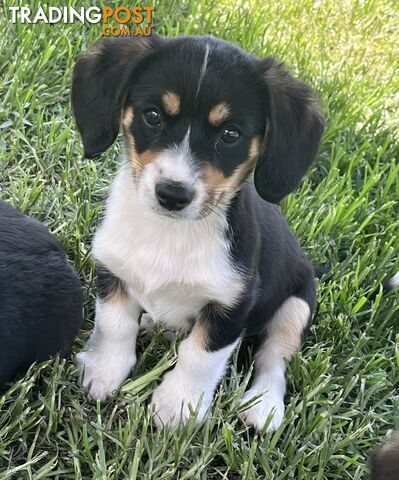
(99, 88)
(293, 132)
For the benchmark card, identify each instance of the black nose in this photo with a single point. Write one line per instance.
(173, 195)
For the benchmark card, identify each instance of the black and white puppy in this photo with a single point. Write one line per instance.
(185, 236)
(40, 294)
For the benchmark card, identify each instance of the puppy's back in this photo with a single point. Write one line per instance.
(41, 297)
(24, 234)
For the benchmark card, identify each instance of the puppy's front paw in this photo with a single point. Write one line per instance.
(173, 399)
(103, 374)
(269, 403)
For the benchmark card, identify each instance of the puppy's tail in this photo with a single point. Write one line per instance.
(391, 283)
(384, 461)
(387, 285)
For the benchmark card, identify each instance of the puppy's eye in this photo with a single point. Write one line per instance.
(230, 134)
(153, 117)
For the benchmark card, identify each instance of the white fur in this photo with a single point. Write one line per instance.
(394, 281)
(284, 339)
(174, 164)
(203, 68)
(110, 353)
(191, 384)
(172, 268)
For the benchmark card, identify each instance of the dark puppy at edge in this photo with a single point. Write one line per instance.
(41, 296)
(384, 461)
(185, 236)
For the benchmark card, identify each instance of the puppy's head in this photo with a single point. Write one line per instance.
(198, 116)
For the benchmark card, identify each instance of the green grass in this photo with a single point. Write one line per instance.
(341, 388)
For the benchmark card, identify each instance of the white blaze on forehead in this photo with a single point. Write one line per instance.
(175, 164)
(203, 68)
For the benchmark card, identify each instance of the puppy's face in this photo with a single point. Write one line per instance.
(198, 116)
(193, 124)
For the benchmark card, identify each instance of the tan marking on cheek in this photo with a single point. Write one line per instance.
(130, 146)
(213, 177)
(218, 183)
(171, 103)
(127, 118)
(147, 157)
(218, 114)
(255, 148)
(139, 161)
(246, 167)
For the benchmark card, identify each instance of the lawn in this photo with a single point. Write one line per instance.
(341, 388)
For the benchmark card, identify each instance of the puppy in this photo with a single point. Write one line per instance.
(41, 296)
(384, 461)
(186, 237)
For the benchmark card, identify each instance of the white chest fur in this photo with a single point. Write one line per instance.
(172, 268)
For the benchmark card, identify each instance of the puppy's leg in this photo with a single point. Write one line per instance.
(110, 353)
(284, 338)
(203, 357)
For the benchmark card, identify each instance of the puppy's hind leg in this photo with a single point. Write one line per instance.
(283, 338)
(110, 353)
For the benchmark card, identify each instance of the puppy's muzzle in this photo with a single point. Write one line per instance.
(172, 195)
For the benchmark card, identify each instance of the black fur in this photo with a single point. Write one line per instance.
(384, 461)
(294, 129)
(97, 108)
(107, 284)
(265, 101)
(41, 297)
(275, 269)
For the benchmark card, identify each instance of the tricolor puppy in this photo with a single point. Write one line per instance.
(186, 236)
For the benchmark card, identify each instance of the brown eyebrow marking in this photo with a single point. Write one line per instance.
(171, 103)
(218, 114)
